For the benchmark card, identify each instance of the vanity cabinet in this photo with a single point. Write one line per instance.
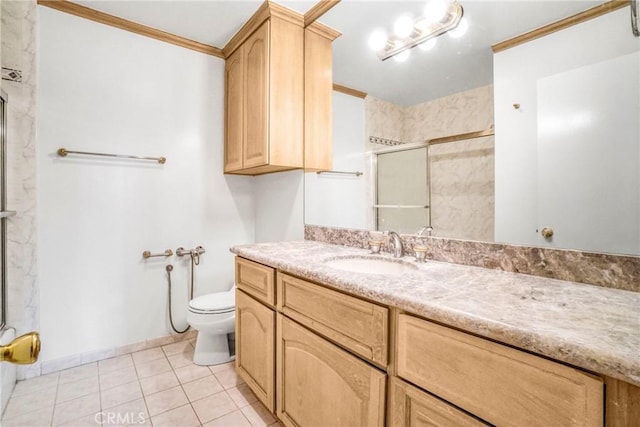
(264, 94)
(499, 384)
(411, 407)
(333, 358)
(359, 326)
(255, 329)
(321, 384)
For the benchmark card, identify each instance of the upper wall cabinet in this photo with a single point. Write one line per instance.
(278, 94)
(318, 89)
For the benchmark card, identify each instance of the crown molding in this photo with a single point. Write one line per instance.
(570, 21)
(133, 27)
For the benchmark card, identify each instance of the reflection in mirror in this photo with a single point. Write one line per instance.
(565, 154)
(402, 190)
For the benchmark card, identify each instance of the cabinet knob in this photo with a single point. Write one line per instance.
(547, 232)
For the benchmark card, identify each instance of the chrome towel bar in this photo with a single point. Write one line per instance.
(63, 152)
(356, 173)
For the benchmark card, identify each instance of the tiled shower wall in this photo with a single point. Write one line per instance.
(462, 187)
(18, 53)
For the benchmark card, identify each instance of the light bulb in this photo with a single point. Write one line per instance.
(403, 27)
(435, 10)
(428, 45)
(460, 30)
(402, 56)
(377, 40)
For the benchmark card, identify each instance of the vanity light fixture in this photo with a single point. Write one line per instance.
(440, 16)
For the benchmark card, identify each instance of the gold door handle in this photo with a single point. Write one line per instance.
(547, 232)
(23, 350)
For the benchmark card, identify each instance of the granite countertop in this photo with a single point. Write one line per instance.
(588, 326)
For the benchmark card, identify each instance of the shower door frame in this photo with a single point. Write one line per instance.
(4, 214)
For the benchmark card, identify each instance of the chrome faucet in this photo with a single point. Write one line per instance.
(426, 228)
(396, 244)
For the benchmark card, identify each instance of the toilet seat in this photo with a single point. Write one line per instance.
(215, 303)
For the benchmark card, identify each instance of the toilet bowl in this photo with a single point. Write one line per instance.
(213, 316)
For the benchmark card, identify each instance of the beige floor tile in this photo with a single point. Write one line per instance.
(153, 367)
(180, 359)
(183, 416)
(92, 420)
(20, 405)
(35, 384)
(158, 383)
(121, 394)
(242, 395)
(73, 390)
(234, 419)
(166, 400)
(202, 388)
(228, 378)
(214, 406)
(145, 356)
(76, 408)
(258, 415)
(41, 417)
(223, 366)
(118, 377)
(192, 372)
(178, 347)
(79, 373)
(130, 413)
(115, 363)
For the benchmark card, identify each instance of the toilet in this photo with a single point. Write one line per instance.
(213, 316)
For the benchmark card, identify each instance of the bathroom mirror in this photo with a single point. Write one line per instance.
(587, 191)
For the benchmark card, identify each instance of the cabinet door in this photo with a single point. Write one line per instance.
(234, 110)
(256, 57)
(320, 384)
(411, 407)
(318, 92)
(255, 340)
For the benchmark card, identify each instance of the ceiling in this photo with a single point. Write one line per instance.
(452, 66)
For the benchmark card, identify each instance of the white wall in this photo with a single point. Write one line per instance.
(517, 75)
(102, 89)
(341, 200)
(279, 206)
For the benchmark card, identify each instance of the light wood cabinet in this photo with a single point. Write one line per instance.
(317, 356)
(320, 384)
(358, 325)
(264, 93)
(256, 279)
(411, 407)
(318, 92)
(499, 384)
(255, 328)
(234, 104)
(255, 347)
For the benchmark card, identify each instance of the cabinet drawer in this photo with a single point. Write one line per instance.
(358, 325)
(411, 407)
(497, 383)
(256, 279)
(320, 384)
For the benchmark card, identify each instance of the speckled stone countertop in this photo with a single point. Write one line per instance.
(591, 327)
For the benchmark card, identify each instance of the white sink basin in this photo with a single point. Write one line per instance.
(371, 265)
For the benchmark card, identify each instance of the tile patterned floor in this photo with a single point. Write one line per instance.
(155, 387)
